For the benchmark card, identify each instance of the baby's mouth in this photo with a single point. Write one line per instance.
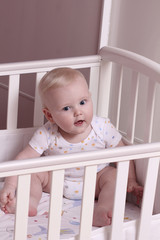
(79, 123)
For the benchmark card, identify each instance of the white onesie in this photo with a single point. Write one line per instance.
(49, 141)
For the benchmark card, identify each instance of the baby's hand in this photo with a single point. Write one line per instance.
(136, 189)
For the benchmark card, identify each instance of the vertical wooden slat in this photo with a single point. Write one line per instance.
(119, 78)
(148, 199)
(104, 88)
(150, 111)
(38, 114)
(133, 107)
(119, 201)
(13, 95)
(22, 206)
(88, 202)
(93, 86)
(54, 220)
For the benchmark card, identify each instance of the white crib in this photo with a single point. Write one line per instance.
(146, 154)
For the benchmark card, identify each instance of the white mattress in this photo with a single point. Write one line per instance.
(37, 226)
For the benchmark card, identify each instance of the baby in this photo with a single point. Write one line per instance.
(71, 127)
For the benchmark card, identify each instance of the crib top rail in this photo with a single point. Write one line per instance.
(47, 65)
(58, 162)
(132, 60)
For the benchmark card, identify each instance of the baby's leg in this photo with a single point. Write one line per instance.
(8, 198)
(38, 181)
(105, 188)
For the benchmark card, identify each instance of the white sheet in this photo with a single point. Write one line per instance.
(37, 226)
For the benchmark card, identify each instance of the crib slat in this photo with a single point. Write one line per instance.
(133, 107)
(55, 205)
(104, 88)
(119, 202)
(119, 77)
(150, 111)
(148, 199)
(22, 205)
(38, 114)
(87, 202)
(93, 86)
(13, 94)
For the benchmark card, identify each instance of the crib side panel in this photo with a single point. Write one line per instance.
(13, 141)
(134, 89)
(57, 164)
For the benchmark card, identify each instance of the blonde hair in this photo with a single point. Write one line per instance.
(58, 77)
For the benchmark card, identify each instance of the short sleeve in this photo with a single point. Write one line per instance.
(111, 135)
(39, 140)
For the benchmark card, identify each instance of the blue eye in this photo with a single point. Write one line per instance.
(66, 108)
(83, 102)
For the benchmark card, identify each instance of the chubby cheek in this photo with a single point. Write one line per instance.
(89, 113)
(64, 122)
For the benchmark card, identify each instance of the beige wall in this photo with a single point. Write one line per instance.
(33, 30)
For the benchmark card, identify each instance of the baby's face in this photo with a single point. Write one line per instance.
(71, 108)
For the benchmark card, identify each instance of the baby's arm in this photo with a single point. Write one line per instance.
(133, 185)
(7, 194)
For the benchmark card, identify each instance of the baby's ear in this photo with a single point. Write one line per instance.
(48, 115)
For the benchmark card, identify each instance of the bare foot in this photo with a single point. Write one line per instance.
(32, 211)
(33, 204)
(101, 216)
(10, 207)
(136, 190)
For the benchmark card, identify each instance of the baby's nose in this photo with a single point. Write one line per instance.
(77, 112)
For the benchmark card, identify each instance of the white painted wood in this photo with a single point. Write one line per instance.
(119, 77)
(47, 65)
(105, 23)
(131, 60)
(93, 86)
(22, 207)
(54, 220)
(148, 199)
(133, 107)
(119, 201)
(38, 114)
(87, 202)
(150, 111)
(58, 162)
(13, 95)
(104, 88)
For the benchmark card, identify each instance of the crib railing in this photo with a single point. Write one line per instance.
(15, 70)
(57, 164)
(139, 65)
